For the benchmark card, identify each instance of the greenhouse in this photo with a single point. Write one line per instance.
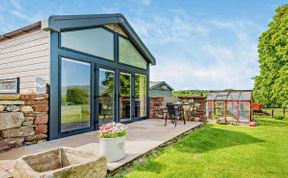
(232, 106)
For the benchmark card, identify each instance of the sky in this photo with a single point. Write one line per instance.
(203, 44)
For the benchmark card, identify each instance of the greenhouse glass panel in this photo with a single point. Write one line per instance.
(232, 109)
(222, 95)
(244, 117)
(245, 96)
(244, 106)
(233, 96)
(211, 96)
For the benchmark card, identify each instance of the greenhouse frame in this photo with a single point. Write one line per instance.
(230, 105)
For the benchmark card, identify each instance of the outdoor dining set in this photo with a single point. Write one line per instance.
(177, 111)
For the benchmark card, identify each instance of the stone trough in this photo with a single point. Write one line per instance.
(61, 162)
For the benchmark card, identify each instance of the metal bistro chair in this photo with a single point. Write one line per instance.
(174, 114)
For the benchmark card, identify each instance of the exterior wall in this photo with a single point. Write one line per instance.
(24, 120)
(160, 93)
(26, 56)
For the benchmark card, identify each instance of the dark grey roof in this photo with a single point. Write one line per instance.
(154, 84)
(62, 22)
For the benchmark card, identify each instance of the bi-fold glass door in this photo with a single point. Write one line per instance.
(106, 98)
(120, 100)
(125, 96)
(133, 96)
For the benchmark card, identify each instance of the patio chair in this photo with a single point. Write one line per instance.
(173, 113)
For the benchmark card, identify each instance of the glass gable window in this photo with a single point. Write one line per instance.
(128, 54)
(96, 41)
(75, 94)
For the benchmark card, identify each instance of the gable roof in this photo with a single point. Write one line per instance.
(155, 84)
(63, 22)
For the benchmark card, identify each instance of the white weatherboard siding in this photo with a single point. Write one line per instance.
(26, 56)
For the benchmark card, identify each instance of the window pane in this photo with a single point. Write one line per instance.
(125, 96)
(128, 54)
(97, 41)
(106, 96)
(140, 95)
(75, 95)
(8, 85)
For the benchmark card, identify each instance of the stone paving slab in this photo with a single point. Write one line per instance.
(143, 136)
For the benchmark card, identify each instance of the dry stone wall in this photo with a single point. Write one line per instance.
(158, 109)
(23, 120)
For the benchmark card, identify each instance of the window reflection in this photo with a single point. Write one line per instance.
(125, 96)
(106, 96)
(128, 54)
(140, 95)
(75, 94)
(96, 41)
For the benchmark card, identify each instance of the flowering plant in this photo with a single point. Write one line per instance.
(112, 130)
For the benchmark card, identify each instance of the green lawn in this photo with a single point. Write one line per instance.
(222, 151)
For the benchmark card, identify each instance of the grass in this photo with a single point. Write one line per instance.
(222, 151)
(277, 112)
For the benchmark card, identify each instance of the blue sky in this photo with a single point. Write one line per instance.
(198, 44)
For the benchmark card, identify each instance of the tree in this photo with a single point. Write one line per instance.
(271, 85)
(77, 95)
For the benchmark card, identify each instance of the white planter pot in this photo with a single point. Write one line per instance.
(113, 148)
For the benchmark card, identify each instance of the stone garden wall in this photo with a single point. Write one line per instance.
(156, 108)
(198, 113)
(23, 120)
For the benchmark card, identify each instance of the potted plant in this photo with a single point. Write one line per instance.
(112, 141)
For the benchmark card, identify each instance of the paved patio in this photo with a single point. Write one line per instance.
(143, 136)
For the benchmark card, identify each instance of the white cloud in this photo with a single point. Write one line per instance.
(146, 2)
(194, 59)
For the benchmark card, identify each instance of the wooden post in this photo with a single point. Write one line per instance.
(284, 110)
(225, 111)
(272, 113)
(238, 110)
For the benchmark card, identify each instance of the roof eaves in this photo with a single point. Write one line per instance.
(22, 30)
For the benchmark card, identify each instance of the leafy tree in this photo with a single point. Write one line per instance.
(271, 86)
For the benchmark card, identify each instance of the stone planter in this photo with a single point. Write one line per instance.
(113, 148)
(61, 162)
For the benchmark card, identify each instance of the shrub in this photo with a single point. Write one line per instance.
(279, 117)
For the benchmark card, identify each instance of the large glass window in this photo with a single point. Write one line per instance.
(96, 41)
(125, 96)
(75, 94)
(128, 54)
(140, 95)
(106, 96)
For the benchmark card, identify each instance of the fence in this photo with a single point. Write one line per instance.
(276, 112)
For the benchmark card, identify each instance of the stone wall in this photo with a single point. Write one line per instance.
(23, 120)
(157, 108)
